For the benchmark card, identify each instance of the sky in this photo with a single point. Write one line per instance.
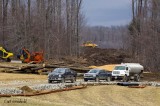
(107, 12)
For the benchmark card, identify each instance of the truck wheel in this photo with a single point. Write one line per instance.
(97, 79)
(112, 79)
(49, 81)
(63, 80)
(137, 78)
(108, 79)
(85, 80)
(73, 79)
(125, 78)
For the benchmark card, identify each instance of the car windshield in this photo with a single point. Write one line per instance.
(119, 68)
(93, 71)
(59, 70)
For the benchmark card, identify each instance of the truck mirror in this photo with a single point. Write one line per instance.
(126, 68)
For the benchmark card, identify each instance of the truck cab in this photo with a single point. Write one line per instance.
(120, 71)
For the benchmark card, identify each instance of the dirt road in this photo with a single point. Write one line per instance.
(104, 95)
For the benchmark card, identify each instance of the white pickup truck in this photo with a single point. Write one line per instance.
(127, 71)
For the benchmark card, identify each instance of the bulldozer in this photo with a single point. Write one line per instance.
(26, 57)
(5, 55)
(89, 44)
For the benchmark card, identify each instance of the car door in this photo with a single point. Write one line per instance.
(68, 74)
(101, 74)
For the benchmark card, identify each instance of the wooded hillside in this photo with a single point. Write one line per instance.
(58, 27)
(145, 32)
(49, 25)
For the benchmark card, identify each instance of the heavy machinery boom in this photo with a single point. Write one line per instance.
(5, 55)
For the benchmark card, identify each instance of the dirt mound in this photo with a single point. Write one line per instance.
(27, 89)
(97, 56)
(93, 57)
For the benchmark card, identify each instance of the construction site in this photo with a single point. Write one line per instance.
(79, 53)
(25, 81)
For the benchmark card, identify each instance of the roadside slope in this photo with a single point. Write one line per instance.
(95, 96)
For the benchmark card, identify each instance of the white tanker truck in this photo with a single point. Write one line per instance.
(127, 71)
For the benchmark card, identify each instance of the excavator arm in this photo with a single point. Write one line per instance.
(27, 57)
(5, 55)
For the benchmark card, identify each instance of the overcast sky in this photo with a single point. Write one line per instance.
(107, 12)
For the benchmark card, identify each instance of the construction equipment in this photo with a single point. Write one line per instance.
(5, 55)
(89, 44)
(27, 57)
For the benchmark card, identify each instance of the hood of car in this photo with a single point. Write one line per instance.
(56, 74)
(87, 74)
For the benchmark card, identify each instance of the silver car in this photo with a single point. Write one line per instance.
(97, 74)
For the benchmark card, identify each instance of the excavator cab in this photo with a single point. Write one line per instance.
(27, 57)
(5, 55)
(24, 55)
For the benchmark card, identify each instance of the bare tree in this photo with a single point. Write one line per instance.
(145, 32)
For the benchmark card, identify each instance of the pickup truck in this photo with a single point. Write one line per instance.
(97, 75)
(62, 75)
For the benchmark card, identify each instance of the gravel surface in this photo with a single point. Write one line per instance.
(39, 85)
(10, 91)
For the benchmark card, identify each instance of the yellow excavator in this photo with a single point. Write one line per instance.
(5, 55)
(89, 44)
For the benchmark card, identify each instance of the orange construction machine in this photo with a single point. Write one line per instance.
(27, 57)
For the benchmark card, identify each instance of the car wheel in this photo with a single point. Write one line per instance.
(73, 79)
(63, 80)
(97, 79)
(49, 81)
(108, 79)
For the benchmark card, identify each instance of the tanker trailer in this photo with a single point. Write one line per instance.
(127, 71)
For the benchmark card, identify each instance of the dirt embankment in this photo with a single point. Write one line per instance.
(94, 96)
(95, 56)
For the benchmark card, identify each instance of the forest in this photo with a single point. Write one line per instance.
(59, 28)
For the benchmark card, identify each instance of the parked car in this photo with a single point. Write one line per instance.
(97, 74)
(62, 75)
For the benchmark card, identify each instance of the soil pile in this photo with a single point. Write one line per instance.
(97, 56)
(94, 57)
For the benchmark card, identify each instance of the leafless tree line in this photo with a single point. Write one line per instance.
(49, 25)
(143, 39)
(107, 37)
(145, 32)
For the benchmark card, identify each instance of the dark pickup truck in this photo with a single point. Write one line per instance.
(62, 75)
(98, 74)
